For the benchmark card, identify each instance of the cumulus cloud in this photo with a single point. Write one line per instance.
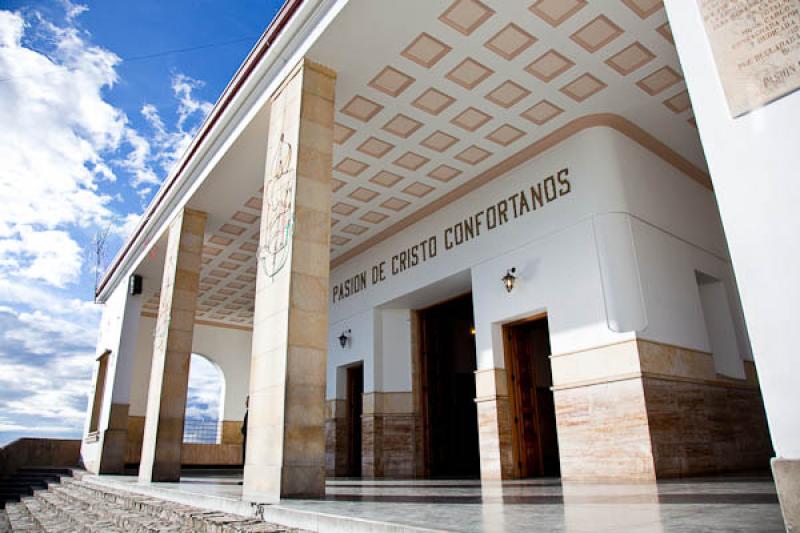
(68, 160)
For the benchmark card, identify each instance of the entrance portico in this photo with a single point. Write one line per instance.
(412, 153)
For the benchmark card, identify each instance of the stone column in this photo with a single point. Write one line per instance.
(753, 161)
(172, 349)
(286, 425)
(494, 424)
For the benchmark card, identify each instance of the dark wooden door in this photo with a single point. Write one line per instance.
(535, 440)
(355, 390)
(450, 416)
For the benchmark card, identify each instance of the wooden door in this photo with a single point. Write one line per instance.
(533, 425)
(355, 391)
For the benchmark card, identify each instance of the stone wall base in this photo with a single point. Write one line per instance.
(388, 446)
(603, 432)
(641, 410)
(337, 440)
(699, 428)
(389, 437)
(787, 480)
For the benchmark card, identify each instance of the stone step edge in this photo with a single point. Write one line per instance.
(127, 517)
(153, 507)
(124, 519)
(49, 521)
(20, 512)
(197, 518)
(30, 522)
(61, 506)
(287, 517)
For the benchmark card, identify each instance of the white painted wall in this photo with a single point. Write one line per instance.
(754, 162)
(611, 260)
(227, 348)
(118, 331)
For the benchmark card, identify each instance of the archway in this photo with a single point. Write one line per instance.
(205, 401)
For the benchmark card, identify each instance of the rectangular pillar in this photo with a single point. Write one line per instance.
(286, 423)
(172, 349)
(494, 425)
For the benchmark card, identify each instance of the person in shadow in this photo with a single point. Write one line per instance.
(244, 429)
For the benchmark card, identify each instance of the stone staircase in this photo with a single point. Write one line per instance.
(26, 480)
(75, 505)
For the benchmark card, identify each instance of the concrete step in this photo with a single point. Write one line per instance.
(53, 511)
(134, 512)
(26, 480)
(123, 518)
(20, 519)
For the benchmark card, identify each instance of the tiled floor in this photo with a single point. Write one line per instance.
(732, 503)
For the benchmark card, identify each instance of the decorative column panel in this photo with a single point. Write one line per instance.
(286, 425)
(494, 424)
(172, 349)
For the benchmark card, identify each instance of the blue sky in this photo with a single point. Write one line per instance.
(97, 101)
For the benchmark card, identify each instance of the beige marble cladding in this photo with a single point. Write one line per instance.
(641, 410)
(286, 431)
(699, 428)
(603, 432)
(172, 348)
(494, 424)
(336, 439)
(388, 435)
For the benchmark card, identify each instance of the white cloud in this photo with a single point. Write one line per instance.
(56, 126)
(189, 105)
(63, 150)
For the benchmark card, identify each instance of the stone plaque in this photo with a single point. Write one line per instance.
(756, 46)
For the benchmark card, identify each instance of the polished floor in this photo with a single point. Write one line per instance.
(723, 504)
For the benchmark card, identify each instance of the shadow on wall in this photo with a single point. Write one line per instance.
(31, 452)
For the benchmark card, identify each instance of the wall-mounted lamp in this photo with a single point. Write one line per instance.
(472, 330)
(344, 338)
(509, 279)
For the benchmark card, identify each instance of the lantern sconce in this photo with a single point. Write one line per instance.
(509, 279)
(344, 338)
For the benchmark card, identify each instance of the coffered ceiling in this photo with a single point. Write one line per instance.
(431, 94)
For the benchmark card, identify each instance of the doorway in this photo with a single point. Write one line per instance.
(355, 408)
(447, 368)
(527, 351)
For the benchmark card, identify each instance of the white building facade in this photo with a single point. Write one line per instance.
(462, 238)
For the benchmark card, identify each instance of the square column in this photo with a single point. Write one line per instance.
(494, 425)
(172, 349)
(286, 423)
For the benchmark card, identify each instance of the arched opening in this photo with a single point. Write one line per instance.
(204, 402)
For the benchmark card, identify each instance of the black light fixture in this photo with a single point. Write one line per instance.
(344, 337)
(509, 279)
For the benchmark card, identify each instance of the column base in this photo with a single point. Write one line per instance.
(787, 480)
(115, 443)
